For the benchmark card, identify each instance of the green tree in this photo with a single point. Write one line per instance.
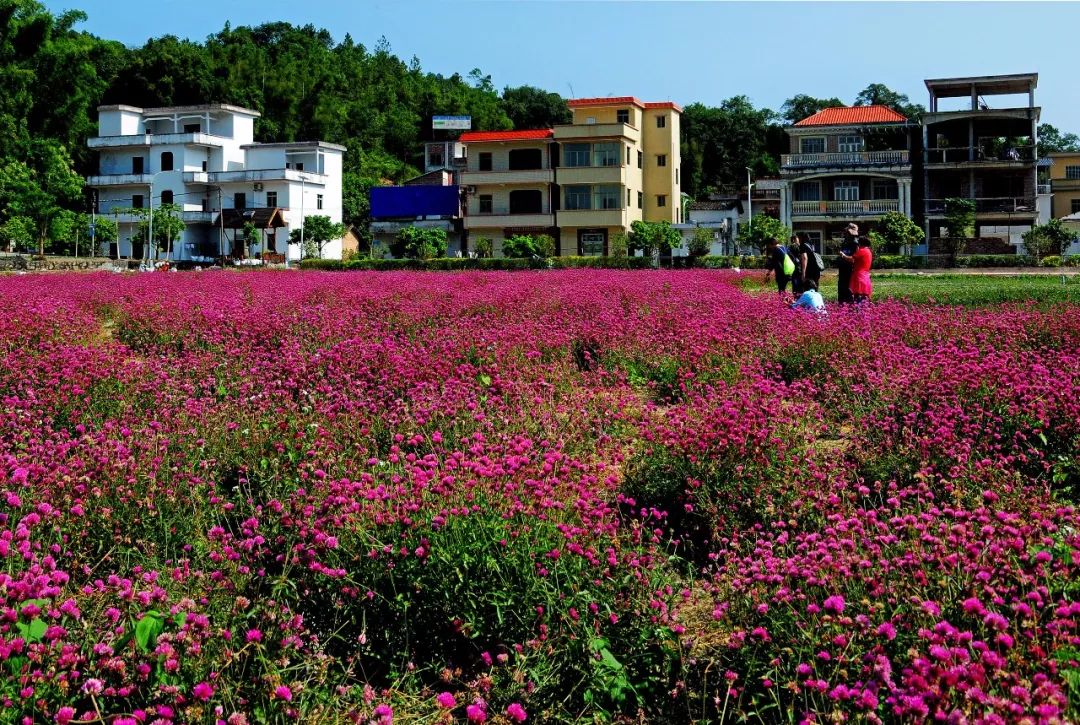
(700, 242)
(17, 234)
(420, 243)
(482, 247)
(803, 106)
(878, 94)
(1051, 140)
(719, 143)
(653, 238)
(168, 226)
(960, 224)
(618, 245)
(760, 230)
(530, 107)
(1052, 238)
(895, 232)
(525, 246)
(40, 187)
(104, 232)
(318, 231)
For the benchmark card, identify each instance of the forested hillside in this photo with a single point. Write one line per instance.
(307, 85)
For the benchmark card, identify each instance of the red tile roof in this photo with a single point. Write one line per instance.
(664, 104)
(527, 134)
(845, 116)
(615, 101)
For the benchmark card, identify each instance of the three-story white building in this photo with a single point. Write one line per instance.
(203, 159)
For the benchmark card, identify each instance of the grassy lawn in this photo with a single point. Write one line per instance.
(968, 289)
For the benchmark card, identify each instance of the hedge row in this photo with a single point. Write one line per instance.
(881, 261)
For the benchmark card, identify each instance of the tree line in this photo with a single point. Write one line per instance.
(307, 86)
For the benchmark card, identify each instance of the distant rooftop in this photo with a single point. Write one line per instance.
(621, 101)
(168, 110)
(528, 134)
(295, 145)
(852, 115)
(984, 85)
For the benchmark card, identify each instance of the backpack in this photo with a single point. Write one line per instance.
(789, 264)
(818, 261)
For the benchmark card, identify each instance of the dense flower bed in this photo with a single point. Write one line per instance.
(530, 497)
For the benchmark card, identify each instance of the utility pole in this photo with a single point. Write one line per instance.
(303, 200)
(93, 223)
(221, 228)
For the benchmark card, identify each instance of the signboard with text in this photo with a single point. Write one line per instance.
(451, 123)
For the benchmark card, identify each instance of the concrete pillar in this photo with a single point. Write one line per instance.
(785, 204)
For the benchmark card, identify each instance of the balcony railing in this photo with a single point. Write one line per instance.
(251, 175)
(157, 139)
(507, 176)
(846, 159)
(505, 211)
(966, 154)
(990, 205)
(844, 208)
(1043, 189)
(119, 180)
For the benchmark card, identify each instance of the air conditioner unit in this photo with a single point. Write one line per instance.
(258, 187)
(470, 189)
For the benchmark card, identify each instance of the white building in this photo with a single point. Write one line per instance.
(204, 160)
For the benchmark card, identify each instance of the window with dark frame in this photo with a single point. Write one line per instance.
(640, 199)
(661, 159)
(137, 165)
(239, 200)
(640, 158)
(485, 203)
(271, 199)
(661, 121)
(166, 197)
(1075, 204)
(622, 115)
(661, 200)
(318, 201)
(484, 161)
(137, 201)
(166, 161)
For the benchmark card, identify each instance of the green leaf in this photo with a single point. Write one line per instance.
(485, 380)
(147, 630)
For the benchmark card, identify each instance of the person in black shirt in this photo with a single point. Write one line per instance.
(774, 262)
(811, 268)
(848, 245)
(795, 252)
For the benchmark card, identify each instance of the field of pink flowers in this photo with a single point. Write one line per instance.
(531, 497)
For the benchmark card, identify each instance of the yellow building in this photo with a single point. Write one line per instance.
(616, 163)
(1065, 183)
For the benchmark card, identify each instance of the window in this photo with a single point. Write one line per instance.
(485, 203)
(812, 145)
(627, 198)
(137, 201)
(640, 158)
(846, 191)
(192, 128)
(137, 165)
(526, 201)
(606, 197)
(206, 205)
(577, 197)
(661, 121)
(524, 159)
(807, 191)
(239, 200)
(1075, 204)
(676, 176)
(204, 166)
(627, 155)
(576, 154)
(850, 144)
(661, 159)
(271, 199)
(622, 115)
(485, 161)
(591, 243)
(640, 199)
(435, 157)
(166, 161)
(885, 189)
(318, 201)
(1072, 172)
(661, 200)
(167, 197)
(606, 154)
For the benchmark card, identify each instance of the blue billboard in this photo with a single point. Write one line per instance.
(396, 202)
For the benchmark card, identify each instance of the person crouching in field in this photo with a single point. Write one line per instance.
(861, 260)
(777, 260)
(810, 300)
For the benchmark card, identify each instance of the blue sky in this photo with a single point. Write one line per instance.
(681, 51)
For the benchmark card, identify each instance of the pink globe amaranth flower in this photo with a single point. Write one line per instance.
(254, 635)
(516, 712)
(446, 699)
(203, 691)
(834, 604)
(282, 692)
(887, 630)
(65, 715)
(476, 712)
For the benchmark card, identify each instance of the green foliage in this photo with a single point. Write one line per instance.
(39, 187)
(896, 231)
(878, 94)
(17, 234)
(451, 264)
(482, 247)
(960, 222)
(530, 107)
(318, 230)
(760, 230)
(524, 246)
(420, 243)
(801, 106)
(651, 238)
(700, 242)
(1052, 238)
(1051, 140)
(105, 232)
(168, 226)
(618, 245)
(718, 143)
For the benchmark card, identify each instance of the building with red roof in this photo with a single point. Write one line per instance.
(846, 164)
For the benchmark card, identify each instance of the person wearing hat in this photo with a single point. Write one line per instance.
(848, 245)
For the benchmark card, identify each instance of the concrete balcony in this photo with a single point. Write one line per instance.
(862, 208)
(119, 180)
(845, 160)
(593, 218)
(501, 218)
(592, 175)
(589, 131)
(156, 139)
(966, 156)
(198, 217)
(252, 175)
(507, 176)
(997, 205)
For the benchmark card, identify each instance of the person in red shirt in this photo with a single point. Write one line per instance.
(861, 261)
